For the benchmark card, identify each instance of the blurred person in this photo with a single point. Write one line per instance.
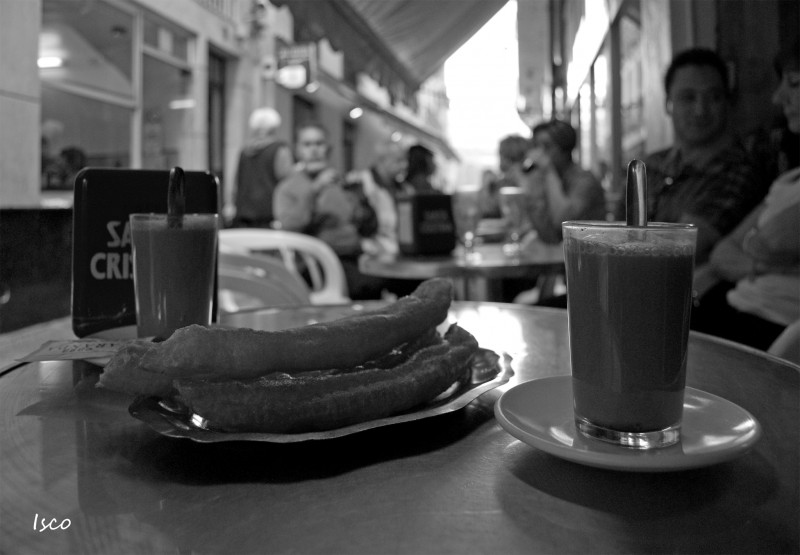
(706, 177)
(314, 199)
(381, 183)
(490, 203)
(51, 135)
(420, 169)
(511, 151)
(774, 149)
(750, 290)
(559, 189)
(263, 162)
(72, 159)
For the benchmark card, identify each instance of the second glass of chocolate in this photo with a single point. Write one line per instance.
(174, 269)
(629, 298)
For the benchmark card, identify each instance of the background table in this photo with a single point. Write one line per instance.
(456, 483)
(480, 278)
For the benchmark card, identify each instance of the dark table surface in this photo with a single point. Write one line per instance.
(455, 483)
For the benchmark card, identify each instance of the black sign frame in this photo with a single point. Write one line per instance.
(102, 278)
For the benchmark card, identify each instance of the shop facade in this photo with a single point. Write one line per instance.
(153, 84)
(156, 84)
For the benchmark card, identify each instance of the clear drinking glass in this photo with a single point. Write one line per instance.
(629, 299)
(512, 204)
(173, 271)
(467, 215)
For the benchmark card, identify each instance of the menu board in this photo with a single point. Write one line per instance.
(102, 264)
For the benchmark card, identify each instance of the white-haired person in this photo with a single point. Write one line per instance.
(315, 199)
(263, 163)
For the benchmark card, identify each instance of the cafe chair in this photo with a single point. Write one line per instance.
(250, 281)
(301, 255)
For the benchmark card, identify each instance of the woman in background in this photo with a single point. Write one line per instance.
(752, 280)
(421, 167)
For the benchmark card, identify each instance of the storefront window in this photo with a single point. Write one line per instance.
(168, 101)
(166, 38)
(85, 67)
(87, 57)
(168, 109)
(79, 131)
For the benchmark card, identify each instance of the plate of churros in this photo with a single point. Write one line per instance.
(395, 363)
(173, 419)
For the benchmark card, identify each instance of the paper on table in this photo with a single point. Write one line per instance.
(76, 349)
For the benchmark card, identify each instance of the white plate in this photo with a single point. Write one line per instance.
(539, 413)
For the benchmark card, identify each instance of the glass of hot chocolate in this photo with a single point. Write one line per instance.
(629, 297)
(174, 270)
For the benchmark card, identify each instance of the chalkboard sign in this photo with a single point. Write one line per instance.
(102, 265)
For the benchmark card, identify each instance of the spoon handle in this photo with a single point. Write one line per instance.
(636, 194)
(176, 198)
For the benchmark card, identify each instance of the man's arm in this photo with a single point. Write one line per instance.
(293, 203)
(283, 162)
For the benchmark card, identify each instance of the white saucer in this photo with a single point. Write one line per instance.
(539, 413)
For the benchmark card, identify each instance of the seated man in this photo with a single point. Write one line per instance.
(314, 200)
(558, 188)
(511, 151)
(706, 177)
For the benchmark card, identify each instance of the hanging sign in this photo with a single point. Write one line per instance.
(297, 65)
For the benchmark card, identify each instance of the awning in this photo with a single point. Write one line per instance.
(399, 43)
(430, 138)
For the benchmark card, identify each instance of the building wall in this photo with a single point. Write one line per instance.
(754, 78)
(656, 49)
(19, 102)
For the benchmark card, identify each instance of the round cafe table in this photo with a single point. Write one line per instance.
(480, 276)
(80, 475)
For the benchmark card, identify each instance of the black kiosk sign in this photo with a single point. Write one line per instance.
(425, 224)
(102, 264)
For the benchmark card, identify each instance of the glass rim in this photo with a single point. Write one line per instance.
(623, 225)
(159, 215)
